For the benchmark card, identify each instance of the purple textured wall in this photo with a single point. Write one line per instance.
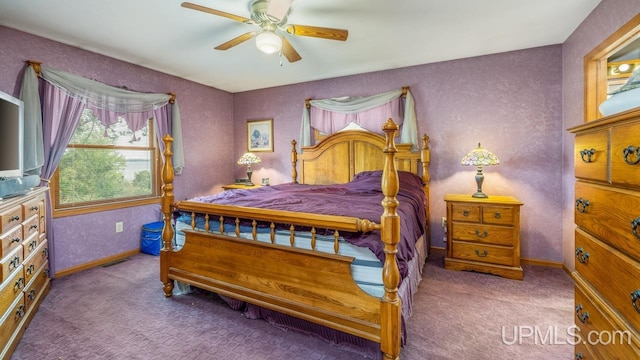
(510, 102)
(207, 129)
(603, 21)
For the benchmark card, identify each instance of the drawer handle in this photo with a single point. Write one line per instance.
(582, 316)
(17, 239)
(13, 264)
(45, 251)
(465, 213)
(19, 284)
(497, 215)
(34, 208)
(634, 227)
(34, 226)
(483, 235)
(14, 218)
(31, 269)
(20, 312)
(582, 255)
(484, 253)
(629, 151)
(582, 205)
(579, 356)
(32, 295)
(33, 244)
(588, 153)
(635, 296)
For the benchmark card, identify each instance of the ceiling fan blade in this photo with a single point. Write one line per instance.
(189, 5)
(319, 32)
(236, 41)
(278, 9)
(289, 52)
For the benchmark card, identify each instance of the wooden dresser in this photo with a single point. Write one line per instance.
(607, 237)
(24, 265)
(483, 234)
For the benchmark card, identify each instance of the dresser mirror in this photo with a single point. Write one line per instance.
(609, 65)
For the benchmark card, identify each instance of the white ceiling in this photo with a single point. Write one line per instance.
(383, 34)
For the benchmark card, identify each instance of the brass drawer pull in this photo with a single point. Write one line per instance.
(630, 150)
(634, 227)
(484, 253)
(19, 284)
(582, 255)
(483, 235)
(635, 296)
(582, 205)
(582, 316)
(588, 153)
(20, 312)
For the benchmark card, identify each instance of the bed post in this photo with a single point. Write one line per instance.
(294, 161)
(390, 306)
(167, 204)
(425, 159)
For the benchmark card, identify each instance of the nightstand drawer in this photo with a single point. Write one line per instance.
(483, 253)
(498, 215)
(486, 234)
(465, 212)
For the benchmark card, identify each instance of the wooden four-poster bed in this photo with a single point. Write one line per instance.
(234, 253)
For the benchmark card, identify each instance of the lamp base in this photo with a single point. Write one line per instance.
(479, 195)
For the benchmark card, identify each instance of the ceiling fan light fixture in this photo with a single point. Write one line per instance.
(268, 42)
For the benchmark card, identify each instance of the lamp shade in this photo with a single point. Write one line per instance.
(480, 157)
(268, 42)
(248, 159)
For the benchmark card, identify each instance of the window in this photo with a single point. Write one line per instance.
(104, 168)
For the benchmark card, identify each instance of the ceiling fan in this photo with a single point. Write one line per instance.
(271, 18)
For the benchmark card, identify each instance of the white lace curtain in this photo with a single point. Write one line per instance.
(370, 112)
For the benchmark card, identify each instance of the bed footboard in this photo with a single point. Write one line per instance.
(304, 283)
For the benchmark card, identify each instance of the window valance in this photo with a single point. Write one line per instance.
(331, 115)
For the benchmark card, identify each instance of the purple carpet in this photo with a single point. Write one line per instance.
(120, 312)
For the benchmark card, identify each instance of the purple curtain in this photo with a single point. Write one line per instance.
(162, 119)
(60, 116)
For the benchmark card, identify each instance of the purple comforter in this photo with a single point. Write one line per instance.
(359, 198)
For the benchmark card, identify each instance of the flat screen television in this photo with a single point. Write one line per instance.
(11, 136)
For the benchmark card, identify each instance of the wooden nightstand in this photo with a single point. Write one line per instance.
(240, 186)
(483, 234)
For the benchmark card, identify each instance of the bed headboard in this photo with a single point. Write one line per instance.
(343, 154)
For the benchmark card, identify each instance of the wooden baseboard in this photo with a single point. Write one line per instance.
(95, 263)
(538, 262)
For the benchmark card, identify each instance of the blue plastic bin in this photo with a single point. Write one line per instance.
(151, 241)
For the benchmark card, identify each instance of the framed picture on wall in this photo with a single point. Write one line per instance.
(260, 135)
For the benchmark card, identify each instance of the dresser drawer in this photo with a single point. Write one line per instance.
(625, 154)
(10, 289)
(30, 244)
(614, 275)
(10, 240)
(11, 319)
(38, 283)
(33, 207)
(465, 212)
(500, 255)
(486, 234)
(590, 155)
(609, 214)
(35, 260)
(10, 217)
(11, 263)
(31, 226)
(596, 331)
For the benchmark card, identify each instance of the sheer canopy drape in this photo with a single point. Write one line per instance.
(51, 118)
(331, 115)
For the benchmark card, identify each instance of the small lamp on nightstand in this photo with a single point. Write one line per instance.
(480, 157)
(248, 159)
